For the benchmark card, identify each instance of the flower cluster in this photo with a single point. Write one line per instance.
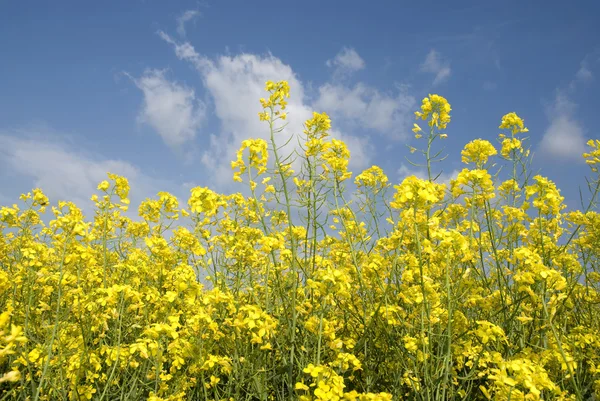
(592, 158)
(478, 152)
(514, 123)
(437, 109)
(275, 105)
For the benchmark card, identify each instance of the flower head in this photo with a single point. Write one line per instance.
(478, 152)
(437, 109)
(592, 158)
(276, 103)
(514, 123)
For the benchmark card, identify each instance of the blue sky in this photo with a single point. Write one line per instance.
(163, 92)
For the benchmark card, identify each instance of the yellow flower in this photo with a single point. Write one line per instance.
(478, 179)
(318, 126)
(279, 92)
(478, 152)
(593, 157)
(416, 193)
(313, 370)
(548, 200)
(39, 198)
(301, 386)
(12, 376)
(103, 186)
(437, 109)
(258, 157)
(337, 156)
(509, 145)
(514, 123)
(372, 177)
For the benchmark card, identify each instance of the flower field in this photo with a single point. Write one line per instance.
(299, 288)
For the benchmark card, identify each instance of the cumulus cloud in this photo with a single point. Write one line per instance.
(434, 64)
(64, 172)
(184, 18)
(564, 138)
(235, 83)
(369, 108)
(346, 62)
(170, 108)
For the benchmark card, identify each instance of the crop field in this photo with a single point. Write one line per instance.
(313, 282)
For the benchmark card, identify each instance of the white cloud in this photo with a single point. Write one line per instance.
(443, 178)
(587, 67)
(65, 173)
(584, 74)
(435, 65)
(187, 16)
(346, 62)
(185, 51)
(564, 138)
(236, 84)
(171, 109)
(371, 109)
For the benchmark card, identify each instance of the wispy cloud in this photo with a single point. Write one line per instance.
(480, 45)
(587, 67)
(187, 16)
(170, 108)
(346, 62)
(584, 74)
(66, 172)
(437, 66)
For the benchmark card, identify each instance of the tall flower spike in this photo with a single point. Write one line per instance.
(592, 158)
(276, 103)
(436, 108)
(514, 123)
